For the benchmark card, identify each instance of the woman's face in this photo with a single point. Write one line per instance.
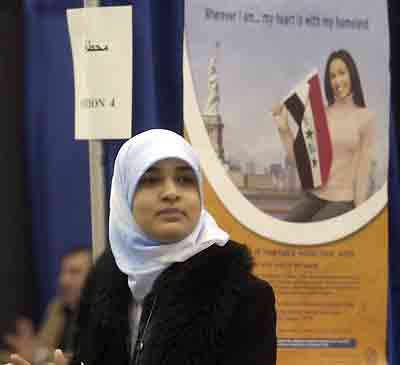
(166, 204)
(339, 76)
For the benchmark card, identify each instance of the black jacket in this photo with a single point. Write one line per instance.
(207, 310)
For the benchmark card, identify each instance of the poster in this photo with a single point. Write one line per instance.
(243, 60)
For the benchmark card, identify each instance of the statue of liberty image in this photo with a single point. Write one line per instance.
(213, 99)
(211, 113)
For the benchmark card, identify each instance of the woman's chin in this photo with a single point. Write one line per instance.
(170, 233)
(342, 96)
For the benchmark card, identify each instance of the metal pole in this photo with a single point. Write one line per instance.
(97, 186)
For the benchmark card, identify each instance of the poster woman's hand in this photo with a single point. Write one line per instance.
(280, 116)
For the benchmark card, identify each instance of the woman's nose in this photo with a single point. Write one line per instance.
(170, 190)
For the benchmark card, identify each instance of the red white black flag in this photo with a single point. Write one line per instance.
(312, 146)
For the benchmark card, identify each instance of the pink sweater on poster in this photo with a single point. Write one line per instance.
(352, 134)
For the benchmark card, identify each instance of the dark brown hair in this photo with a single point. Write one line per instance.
(345, 56)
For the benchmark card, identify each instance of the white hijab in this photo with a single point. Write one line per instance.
(141, 258)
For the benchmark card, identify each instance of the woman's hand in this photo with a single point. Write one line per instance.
(59, 359)
(280, 116)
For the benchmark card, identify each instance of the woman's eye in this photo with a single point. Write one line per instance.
(186, 180)
(149, 180)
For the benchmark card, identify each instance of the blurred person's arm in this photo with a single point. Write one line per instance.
(49, 333)
(51, 329)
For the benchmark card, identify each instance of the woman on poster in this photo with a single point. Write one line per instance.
(351, 128)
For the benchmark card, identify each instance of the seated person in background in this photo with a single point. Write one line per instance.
(57, 327)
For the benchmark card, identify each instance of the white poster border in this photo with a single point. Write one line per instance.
(246, 213)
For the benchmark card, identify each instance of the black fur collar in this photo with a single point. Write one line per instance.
(195, 303)
(202, 275)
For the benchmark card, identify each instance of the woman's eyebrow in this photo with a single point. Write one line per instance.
(184, 169)
(152, 169)
(155, 169)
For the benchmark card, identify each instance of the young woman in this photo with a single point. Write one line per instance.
(351, 127)
(173, 289)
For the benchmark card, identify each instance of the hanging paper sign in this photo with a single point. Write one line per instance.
(102, 59)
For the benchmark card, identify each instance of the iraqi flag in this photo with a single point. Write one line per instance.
(312, 146)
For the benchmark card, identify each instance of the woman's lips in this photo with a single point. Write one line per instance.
(170, 212)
